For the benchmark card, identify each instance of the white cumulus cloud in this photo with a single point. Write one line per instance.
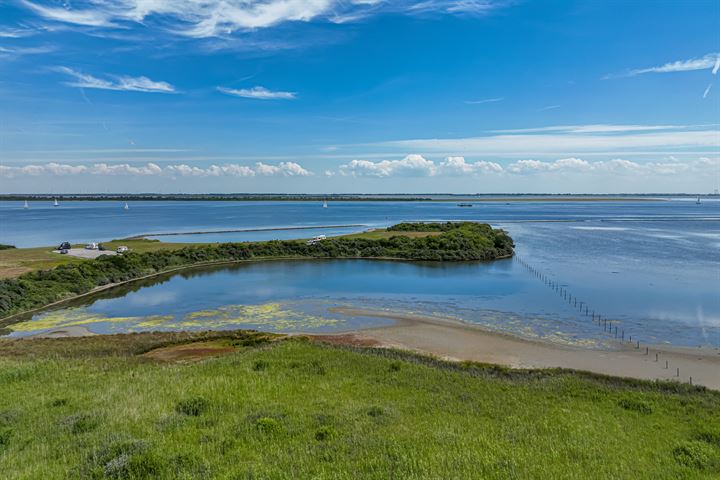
(412, 165)
(458, 166)
(285, 169)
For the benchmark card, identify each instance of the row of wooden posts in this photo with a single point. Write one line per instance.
(584, 309)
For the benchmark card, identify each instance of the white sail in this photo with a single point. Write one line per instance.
(126, 207)
(324, 203)
(26, 205)
(56, 204)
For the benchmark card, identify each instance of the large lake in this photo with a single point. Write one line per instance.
(652, 266)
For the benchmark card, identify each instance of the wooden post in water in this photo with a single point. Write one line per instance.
(638, 344)
(656, 356)
(623, 335)
(678, 372)
(647, 350)
(666, 365)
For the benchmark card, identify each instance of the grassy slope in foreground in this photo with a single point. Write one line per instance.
(449, 242)
(92, 408)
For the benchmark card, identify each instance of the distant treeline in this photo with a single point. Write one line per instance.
(345, 197)
(459, 241)
(213, 197)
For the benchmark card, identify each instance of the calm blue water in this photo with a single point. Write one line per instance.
(654, 267)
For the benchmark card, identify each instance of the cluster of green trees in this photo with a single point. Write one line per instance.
(459, 241)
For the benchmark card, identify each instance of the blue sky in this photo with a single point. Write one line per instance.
(330, 96)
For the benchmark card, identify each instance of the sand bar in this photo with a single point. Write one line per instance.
(460, 341)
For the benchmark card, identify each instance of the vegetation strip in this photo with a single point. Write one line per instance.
(456, 241)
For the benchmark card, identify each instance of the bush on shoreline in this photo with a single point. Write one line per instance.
(459, 241)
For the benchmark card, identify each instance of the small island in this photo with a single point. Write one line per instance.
(449, 241)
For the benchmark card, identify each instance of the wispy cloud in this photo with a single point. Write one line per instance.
(487, 100)
(259, 93)
(571, 140)
(474, 7)
(592, 128)
(283, 169)
(116, 82)
(549, 107)
(707, 90)
(218, 18)
(707, 62)
(14, 52)
(97, 17)
(16, 32)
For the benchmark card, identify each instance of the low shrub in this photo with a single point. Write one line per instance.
(317, 368)
(323, 434)
(192, 407)
(4, 438)
(80, 423)
(267, 425)
(122, 459)
(713, 438)
(260, 365)
(59, 402)
(375, 411)
(635, 405)
(696, 454)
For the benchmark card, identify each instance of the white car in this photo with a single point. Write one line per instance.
(317, 239)
(91, 246)
(121, 249)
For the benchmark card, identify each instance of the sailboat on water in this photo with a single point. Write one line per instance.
(126, 207)
(25, 205)
(698, 201)
(324, 203)
(55, 203)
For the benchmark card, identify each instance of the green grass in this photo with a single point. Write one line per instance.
(294, 409)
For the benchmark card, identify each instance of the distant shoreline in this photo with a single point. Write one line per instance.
(243, 230)
(501, 197)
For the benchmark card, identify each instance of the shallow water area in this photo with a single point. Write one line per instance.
(651, 267)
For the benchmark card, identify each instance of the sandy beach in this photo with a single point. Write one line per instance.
(459, 341)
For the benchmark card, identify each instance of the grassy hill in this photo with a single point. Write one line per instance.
(269, 407)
